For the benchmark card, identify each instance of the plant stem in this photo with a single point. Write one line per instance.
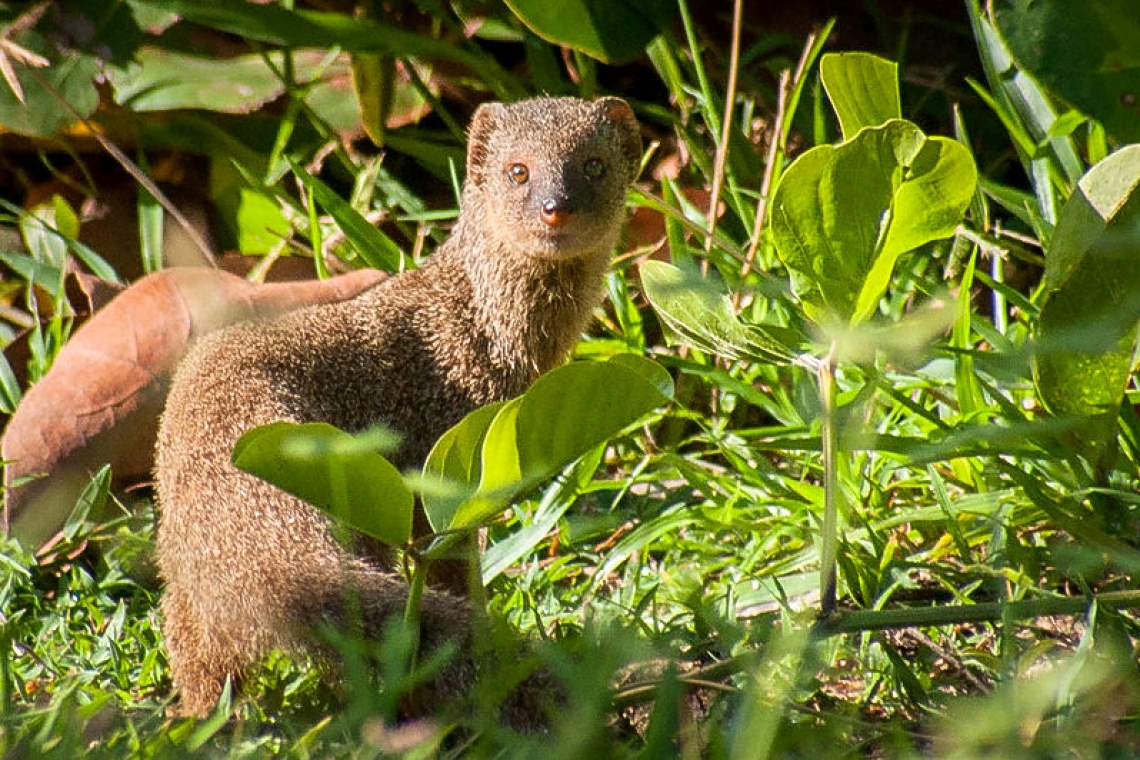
(878, 620)
(825, 375)
(711, 676)
(412, 608)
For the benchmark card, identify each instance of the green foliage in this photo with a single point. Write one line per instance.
(375, 248)
(610, 32)
(492, 454)
(498, 451)
(1087, 58)
(1090, 308)
(702, 315)
(863, 90)
(1031, 119)
(843, 215)
(163, 80)
(40, 99)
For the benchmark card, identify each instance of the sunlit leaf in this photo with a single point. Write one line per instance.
(164, 80)
(701, 316)
(340, 473)
(842, 215)
(1088, 321)
(863, 89)
(494, 452)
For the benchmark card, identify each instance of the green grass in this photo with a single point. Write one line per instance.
(984, 555)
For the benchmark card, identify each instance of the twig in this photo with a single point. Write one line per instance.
(132, 169)
(779, 142)
(726, 124)
(775, 148)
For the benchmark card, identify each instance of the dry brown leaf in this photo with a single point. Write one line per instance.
(100, 402)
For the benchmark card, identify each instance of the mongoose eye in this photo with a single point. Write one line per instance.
(594, 168)
(518, 173)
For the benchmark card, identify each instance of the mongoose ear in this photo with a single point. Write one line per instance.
(483, 123)
(619, 113)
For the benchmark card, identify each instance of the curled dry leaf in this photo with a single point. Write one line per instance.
(101, 400)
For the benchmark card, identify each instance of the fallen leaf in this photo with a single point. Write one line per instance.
(101, 400)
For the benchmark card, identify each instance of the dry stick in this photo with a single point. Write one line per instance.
(726, 124)
(952, 660)
(776, 147)
(133, 170)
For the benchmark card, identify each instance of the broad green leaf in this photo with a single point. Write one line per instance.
(863, 90)
(1090, 57)
(340, 473)
(41, 114)
(842, 215)
(456, 455)
(650, 370)
(455, 465)
(496, 451)
(163, 80)
(253, 217)
(700, 313)
(376, 248)
(1087, 327)
(571, 410)
(499, 456)
(611, 32)
(261, 225)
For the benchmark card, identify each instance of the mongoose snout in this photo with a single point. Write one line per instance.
(555, 211)
(249, 568)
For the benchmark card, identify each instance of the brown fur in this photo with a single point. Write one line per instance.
(248, 568)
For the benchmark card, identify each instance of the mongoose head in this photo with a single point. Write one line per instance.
(548, 176)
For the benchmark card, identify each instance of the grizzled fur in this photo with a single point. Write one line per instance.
(248, 568)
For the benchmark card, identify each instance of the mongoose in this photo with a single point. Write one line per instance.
(249, 568)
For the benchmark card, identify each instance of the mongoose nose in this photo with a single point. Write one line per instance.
(554, 212)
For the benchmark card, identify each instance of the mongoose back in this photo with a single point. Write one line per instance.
(248, 568)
